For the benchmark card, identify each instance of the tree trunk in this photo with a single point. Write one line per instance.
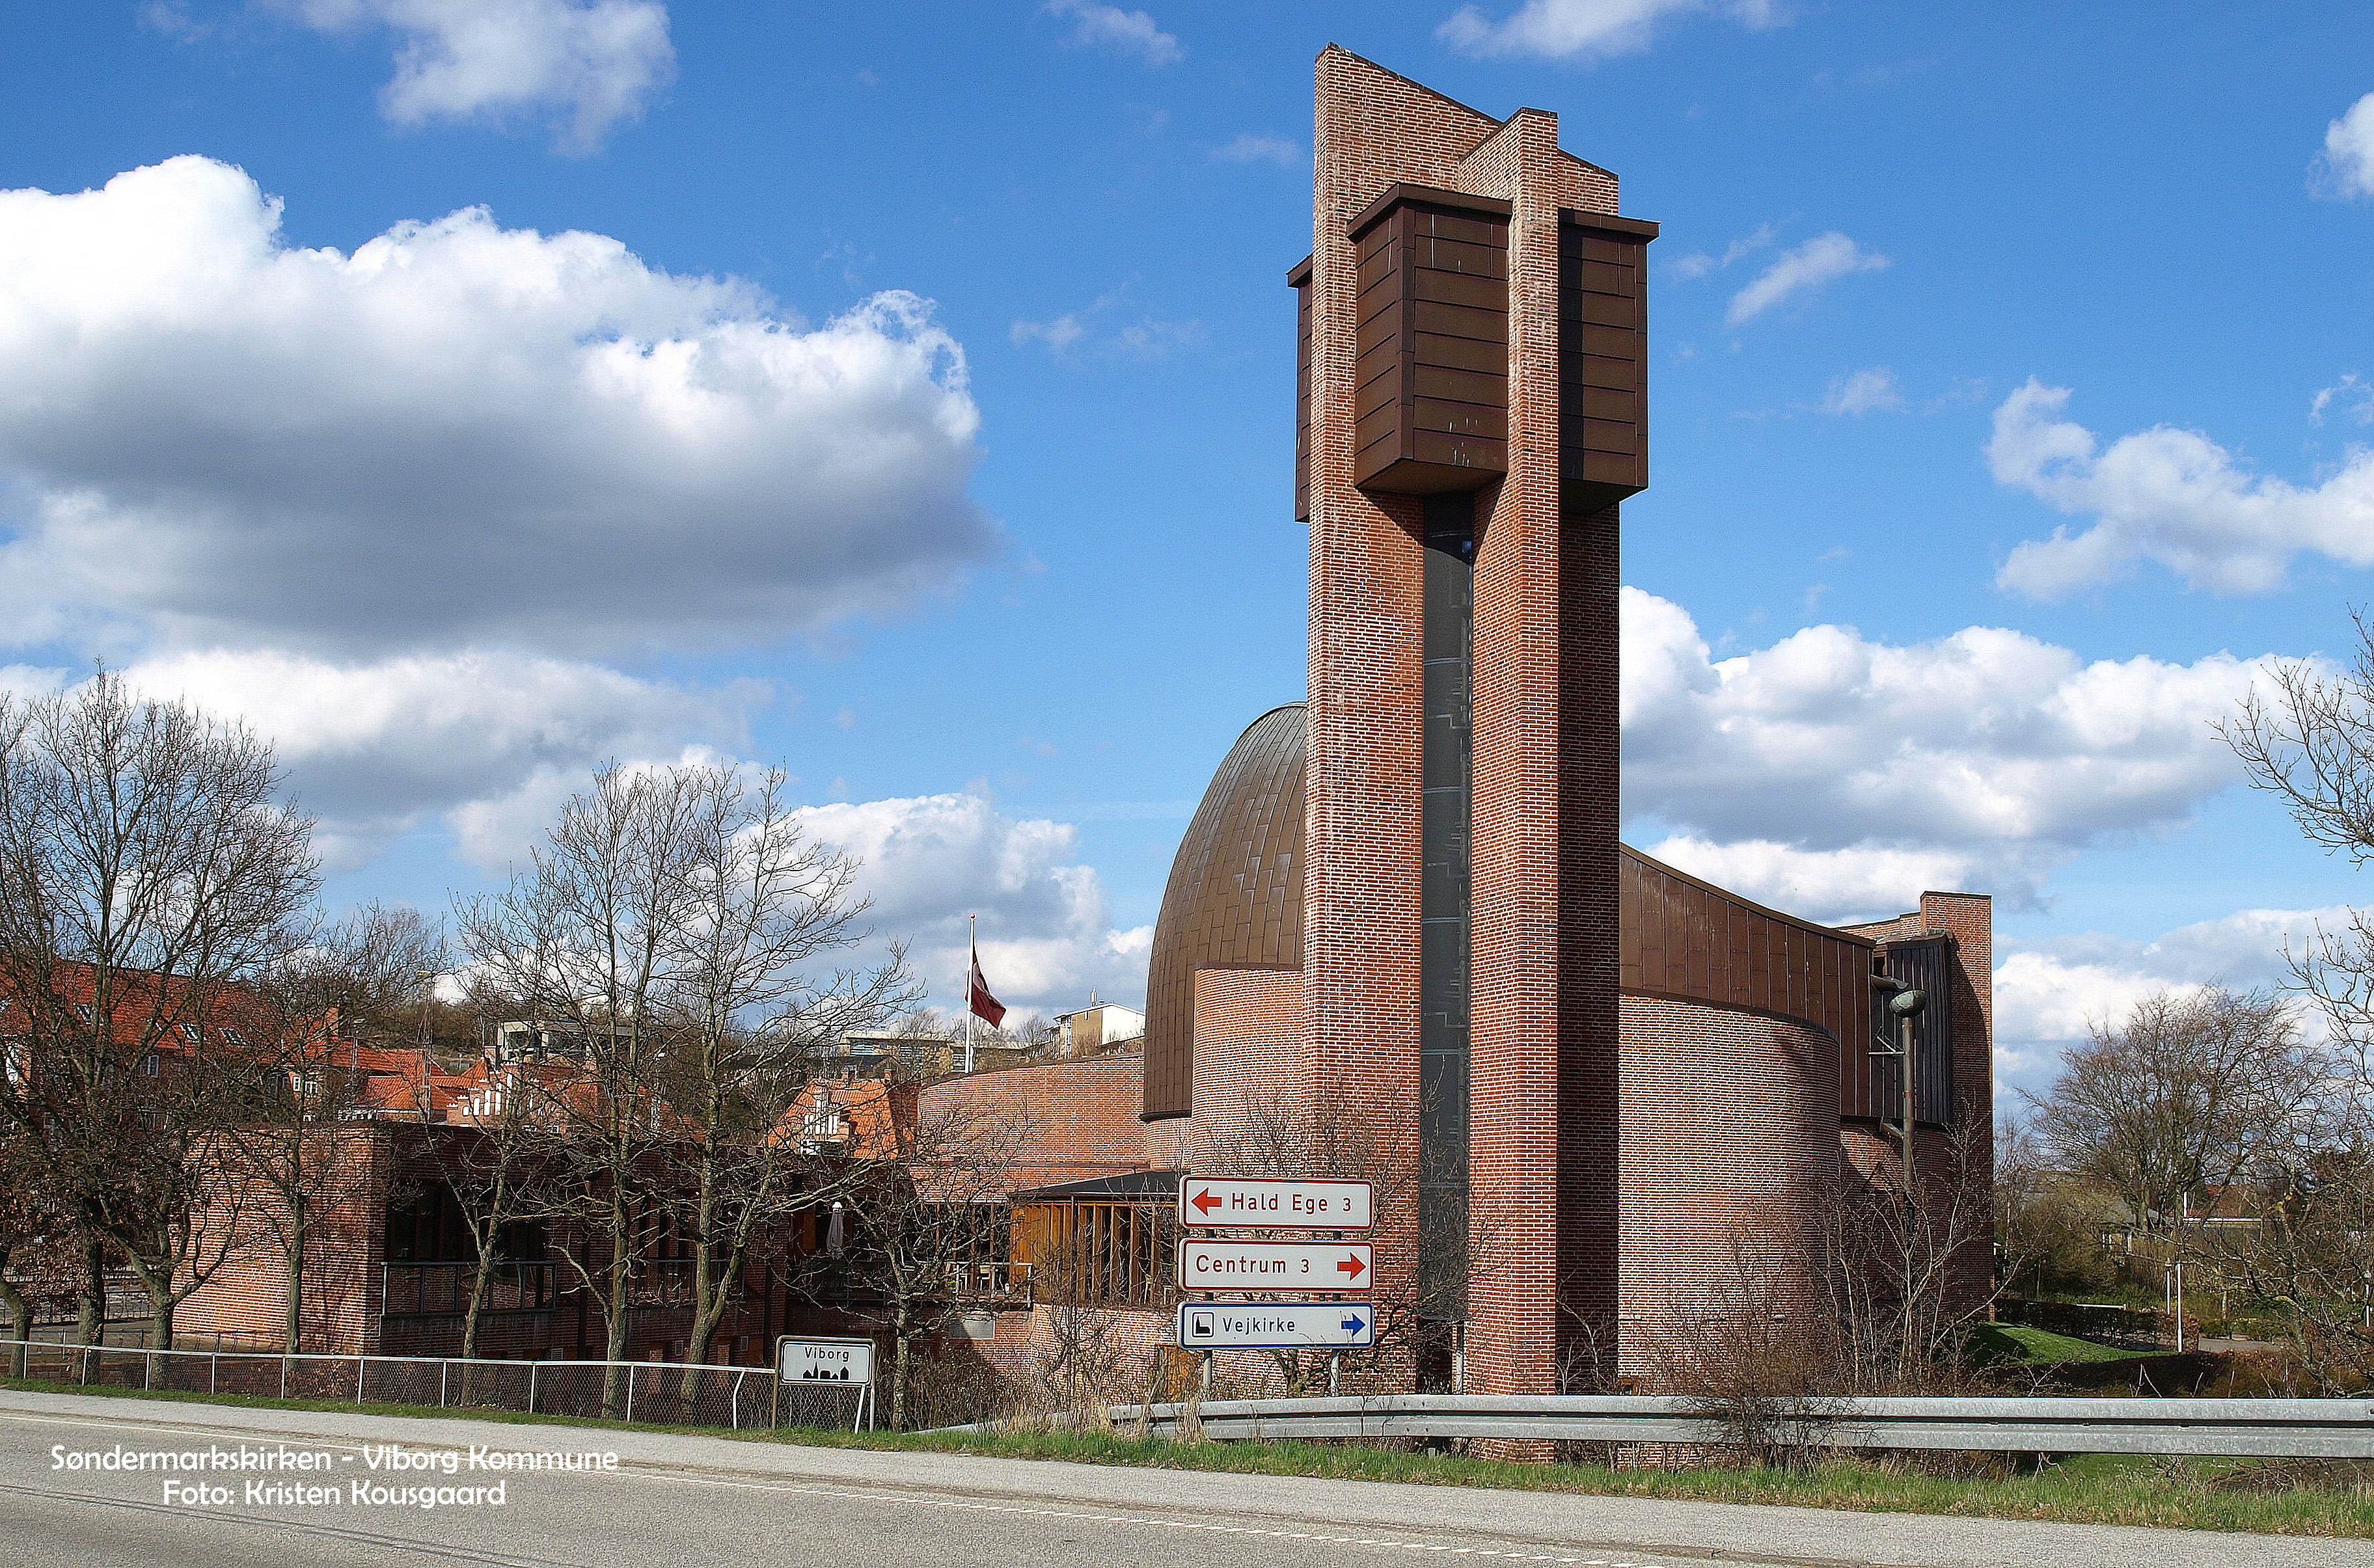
(296, 1303)
(470, 1312)
(899, 1341)
(614, 1380)
(20, 1317)
(160, 1330)
(708, 1311)
(90, 1308)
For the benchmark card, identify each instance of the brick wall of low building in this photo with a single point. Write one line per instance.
(1080, 1117)
(245, 1300)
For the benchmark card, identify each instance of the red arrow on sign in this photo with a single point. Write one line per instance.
(1206, 1201)
(1351, 1266)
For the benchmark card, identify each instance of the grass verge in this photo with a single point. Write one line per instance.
(2277, 1497)
(2014, 1342)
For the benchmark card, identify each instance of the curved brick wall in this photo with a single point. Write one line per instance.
(1730, 1134)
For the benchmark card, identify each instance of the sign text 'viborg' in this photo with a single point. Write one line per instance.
(846, 1364)
(1233, 1203)
(1282, 1324)
(1327, 1266)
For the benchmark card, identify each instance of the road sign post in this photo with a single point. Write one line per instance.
(1282, 1324)
(1302, 1268)
(1243, 1203)
(827, 1363)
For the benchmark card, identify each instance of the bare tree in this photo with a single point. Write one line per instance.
(494, 1177)
(1878, 1299)
(2311, 1252)
(681, 929)
(923, 1220)
(580, 943)
(148, 875)
(2308, 741)
(2189, 1092)
(759, 913)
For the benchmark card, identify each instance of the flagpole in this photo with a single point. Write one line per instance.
(972, 964)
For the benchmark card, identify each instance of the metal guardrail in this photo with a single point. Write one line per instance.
(2322, 1429)
(719, 1394)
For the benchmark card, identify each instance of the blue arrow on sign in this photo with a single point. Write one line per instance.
(1352, 1323)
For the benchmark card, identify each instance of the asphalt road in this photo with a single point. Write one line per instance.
(709, 1500)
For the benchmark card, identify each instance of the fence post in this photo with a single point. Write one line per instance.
(214, 1363)
(359, 1364)
(531, 1386)
(738, 1400)
(441, 1368)
(284, 1377)
(630, 1391)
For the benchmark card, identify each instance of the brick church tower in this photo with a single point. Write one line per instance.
(1473, 418)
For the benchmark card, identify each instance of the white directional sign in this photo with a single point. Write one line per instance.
(1327, 1266)
(845, 1363)
(1220, 1325)
(1235, 1203)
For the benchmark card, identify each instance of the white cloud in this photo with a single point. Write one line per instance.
(588, 65)
(2348, 164)
(1046, 931)
(2049, 994)
(1110, 27)
(2169, 495)
(1835, 777)
(1861, 880)
(1865, 391)
(1821, 261)
(376, 750)
(1091, 331)
(1565, 30)
(457, 434)
(2355, 397)
(1251, 148)
(1058, 334)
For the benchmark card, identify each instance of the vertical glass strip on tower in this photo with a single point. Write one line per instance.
(1444, 770)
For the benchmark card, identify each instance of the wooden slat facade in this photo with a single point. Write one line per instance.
(1431, 398)
(1603, 358)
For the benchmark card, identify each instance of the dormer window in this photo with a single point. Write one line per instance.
(190, 1032)
(232, 1037)
(83, 1012)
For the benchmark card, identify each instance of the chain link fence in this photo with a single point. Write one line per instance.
(659, 1393)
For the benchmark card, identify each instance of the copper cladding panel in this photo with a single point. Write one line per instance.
(1234, 900)
(1689, 941)
(1602, 362)
(1431, 377)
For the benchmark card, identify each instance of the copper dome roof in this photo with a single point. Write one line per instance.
(1234, 900)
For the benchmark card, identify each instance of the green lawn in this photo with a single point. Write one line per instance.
(2040, 1346)
(2278, 1497)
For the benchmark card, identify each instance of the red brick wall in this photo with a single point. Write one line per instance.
(247, 1298)
(1730, 1140)
(1246, 1023)
(1081, 1116)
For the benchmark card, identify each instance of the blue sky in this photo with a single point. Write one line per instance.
(904, 394)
